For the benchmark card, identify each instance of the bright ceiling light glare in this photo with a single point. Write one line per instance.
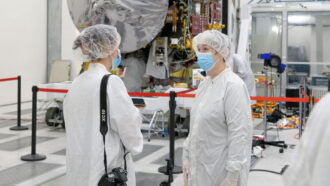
(301, 19)
(275, 29)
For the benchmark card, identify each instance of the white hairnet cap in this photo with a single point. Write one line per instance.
(97, 42)
(216, 40)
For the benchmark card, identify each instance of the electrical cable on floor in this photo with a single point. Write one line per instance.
(262, 170)
(269, 171)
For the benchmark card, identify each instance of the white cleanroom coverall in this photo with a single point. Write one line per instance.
(241, 67)
(220, 138)
(84, 141)
(310, 164)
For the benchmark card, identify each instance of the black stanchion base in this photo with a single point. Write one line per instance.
(33, 157)
(17, 128)
(164, 184)
(176, 170)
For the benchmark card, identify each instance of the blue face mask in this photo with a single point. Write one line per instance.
(205, 61)
(116, 62)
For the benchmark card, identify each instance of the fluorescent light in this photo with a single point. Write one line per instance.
(275, 29)
(301, 19)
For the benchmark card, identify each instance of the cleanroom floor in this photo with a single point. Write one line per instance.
(52, 141)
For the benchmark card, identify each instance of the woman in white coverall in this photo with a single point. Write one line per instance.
(241, 67)
(85, 146)
(310, 165)
(218, 149)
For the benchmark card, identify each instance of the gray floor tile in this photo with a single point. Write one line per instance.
(149, 179)
(42, 115)
(57, 181)
(58, 129)
(254, 161)
(3, 136)
(23, 111)
(272, 137)
(11, 104)
(177, 158)
(16, 144)
(40, 125)
(147, 149)
(142, 179)
(10, 123)
(25, 171)
(61, 152)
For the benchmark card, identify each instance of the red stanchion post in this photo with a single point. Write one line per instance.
(34, 156)
(19, 89)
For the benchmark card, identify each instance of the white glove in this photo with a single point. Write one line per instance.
(185, 167)
(231, 179)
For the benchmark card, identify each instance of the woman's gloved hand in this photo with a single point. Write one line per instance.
(185, 167)
(231, 179)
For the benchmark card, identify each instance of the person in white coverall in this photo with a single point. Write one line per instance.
(217, 151)
(242, 68)
(85, 146)
(310, 164)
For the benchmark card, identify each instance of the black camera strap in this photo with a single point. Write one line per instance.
(104, 118)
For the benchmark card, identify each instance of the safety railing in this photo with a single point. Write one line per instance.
(303, 98)
(140, 94)
(170, 169)
(34, 156)
(18, 127)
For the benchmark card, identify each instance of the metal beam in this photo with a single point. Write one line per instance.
(54, 32)
(225, 12)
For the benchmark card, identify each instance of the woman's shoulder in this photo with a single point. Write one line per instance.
(114, 79)
(115, 82)
(234, 79)
(203, 84)
(234, 83)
